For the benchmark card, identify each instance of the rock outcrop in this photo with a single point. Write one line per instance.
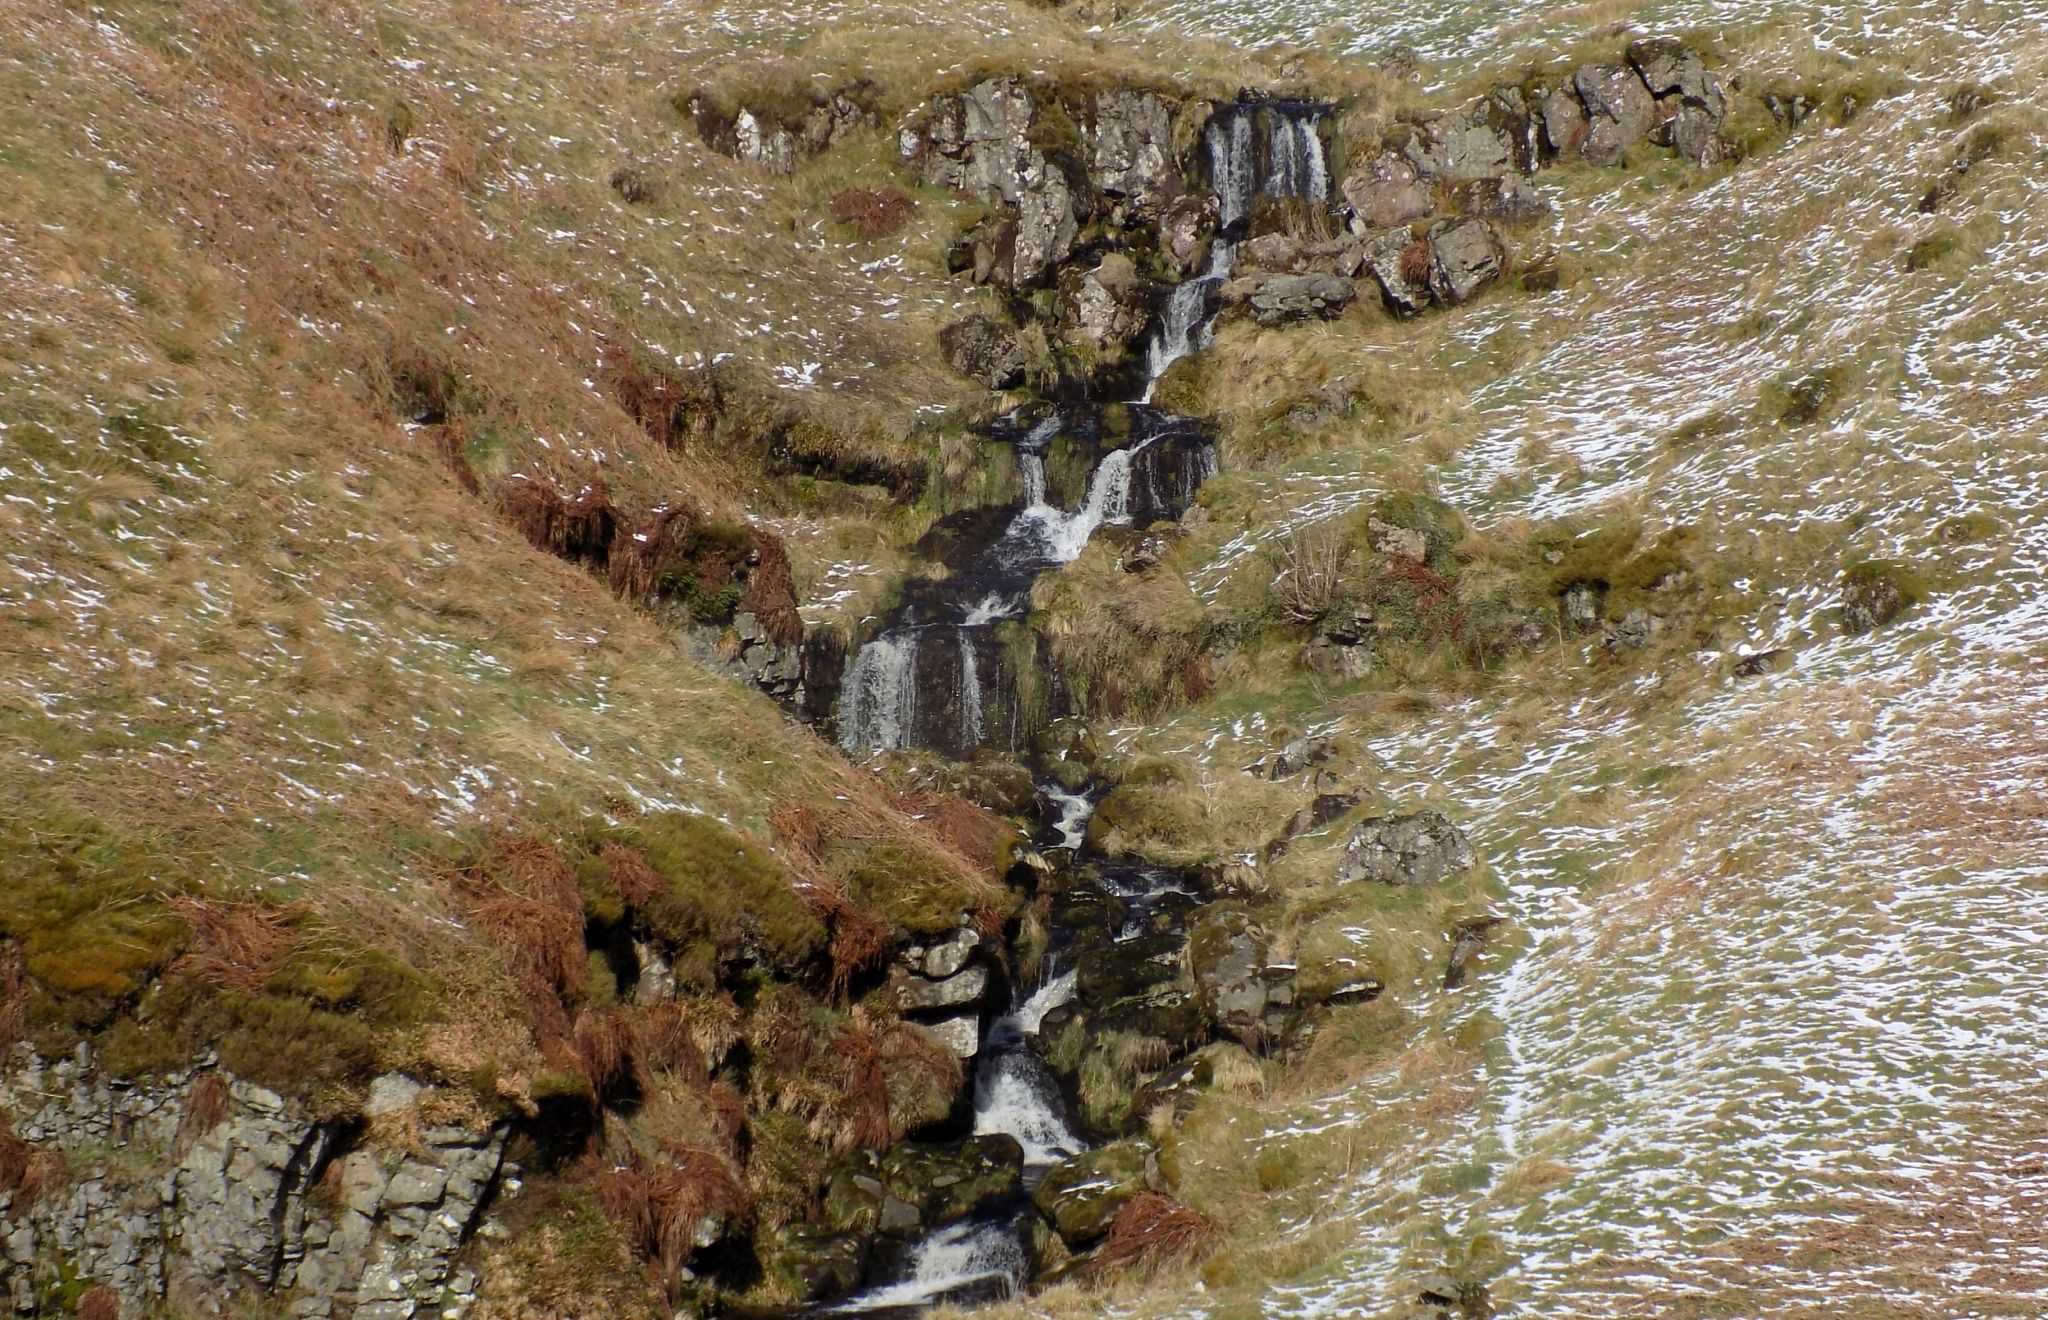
(1420, 849)
(197, 1188)
(776, 131)
(988, 352)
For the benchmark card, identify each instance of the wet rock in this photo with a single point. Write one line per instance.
(1509, 199)
(1386, 191)
(1241, 991)
(1619, 111)
(1464, 257)
(1277, 299)
(811, 1263)
(854, 1194)
(1082, 1195)
(917, 993)
(984, 350)
(1420, 849)
(1400, 263)
(946, 1181)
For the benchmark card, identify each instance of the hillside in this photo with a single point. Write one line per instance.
(537, 778)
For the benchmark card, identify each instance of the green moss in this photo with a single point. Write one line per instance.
(1441, 526)
(1929, 249)
(87, 910)
(726, 892)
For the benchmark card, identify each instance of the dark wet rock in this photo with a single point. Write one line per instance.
(1507, 198)
(1400, 263)
(985, 350)
(1242, 992)
(811, 1263)
(1278, 299)
(1082, 1195)
(1420, 849)
(1465, 256)
(1619, 111)
(1467, 943)
(854, 1193)
(945, 1181)
(1877, 593)
(1110, 972)
(1759, 663)
(1386, 191)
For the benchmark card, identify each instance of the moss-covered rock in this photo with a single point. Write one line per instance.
(1082, 1195)
(811, 1262)
(1876, 592)
(946, 1181)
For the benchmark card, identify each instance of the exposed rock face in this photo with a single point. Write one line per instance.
(980, 141)
(1131, 160)
(1400, 263)
(1508, 198)
(1279, 299)
(1104, 308)
(1421, 849)
(1875, 594)
(234, 1214)
(1241, 991)
(1459, 146)
(943, 985)
(761, 137)
(1563, 122)
(984, 350)
(1619, 110)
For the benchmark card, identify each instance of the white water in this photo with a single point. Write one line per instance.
(959, 1256)
(1058, 536)
(878, 700)
(970, 689)
(1184, 322)
(1231, 168)
(1072, 824)
(1297, 168)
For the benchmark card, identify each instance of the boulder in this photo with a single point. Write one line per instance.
(1400, 263)
(1465, 256)
(1668, 67)
(1507, 198)
(1695, 134)
(811, 1262)
(1420, 849)
(1240, 990)
(949, 1180)
(1103, 308)
(1619, 110)
(1185, 226)
(985, 350)
(980, 141)
(1876, 593)
(1387, 190)
(1082, 1195)
(918, 993)
(960, 1034)
(1277, 299)
(1467, 943)
(1457, 146)
(1561, 123)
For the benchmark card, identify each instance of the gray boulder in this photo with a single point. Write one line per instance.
(1239, 988)
(1103, 308)
(1420, 849)
(1458, 146)
(1668, 67)
(979, 141)
(1509, 199)
(1387, 190)
(1619, 111)
(1563, 122)
(1130, 153)
(1464, 257)
(985, 350)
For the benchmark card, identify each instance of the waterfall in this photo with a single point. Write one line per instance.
(1072, 822)
(878, 697)
(1231, 167)
(1184, 321)
(969, 1257)
(1051, 536)
(1031, 472)
(970, 691)
(1295, 153)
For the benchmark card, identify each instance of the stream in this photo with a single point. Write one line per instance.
(935, 676)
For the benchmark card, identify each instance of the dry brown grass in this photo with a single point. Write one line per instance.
(99, 1302)
(1153, 1232)
(235, 946)
(27, 1171)
(873, 212)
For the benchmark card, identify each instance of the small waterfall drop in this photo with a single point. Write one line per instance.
(1232, 167)
(878, 698)
(1295, 154)
(971, 726)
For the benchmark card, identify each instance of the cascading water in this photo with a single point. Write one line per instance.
(923, 682)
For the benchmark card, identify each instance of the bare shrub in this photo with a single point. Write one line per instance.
(1153, 1231)
(1311, 564)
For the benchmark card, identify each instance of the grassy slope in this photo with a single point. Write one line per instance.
(1724, 1019)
